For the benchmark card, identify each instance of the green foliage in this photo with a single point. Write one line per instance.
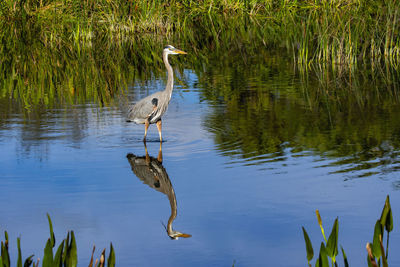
(309, 248)
(323, 257)
(332, 244)
(376, 251)
(19, 260)
(333, 33)
(376, 244)
(61, 259)
(111, 257)
(346, 263)
(386, 219)
(327, 249)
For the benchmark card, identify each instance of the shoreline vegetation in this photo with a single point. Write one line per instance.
(341, 32)
(68, 51)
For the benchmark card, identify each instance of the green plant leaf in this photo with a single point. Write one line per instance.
(52, 236)
(384, 261)
(346, 263)
(19, 260)
(369, 261)
(389, 221)
(386, 216)
(1, 262)
(323, 257)
(66, 245)
(320, 224)
(376, 247)
(72, 255)
(4, 254)
(48, 255)
(111, 257)
(57, 262)
(28, 261)
(309, 248)
(332, 244)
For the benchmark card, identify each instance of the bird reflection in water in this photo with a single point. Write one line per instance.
(151, 171)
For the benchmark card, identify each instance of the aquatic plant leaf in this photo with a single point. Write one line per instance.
(72, 255)
(6, 237)
(386, 215)
(19, 260)
(4, 254)
(320, 224)
(58, 257)
(28, 261)
(1, 262)
(52, 236)
(323, 257)
(332, 244)
(111, 257)
(371, 262)
(66, 245)
(48, 255)
(346, 263)
(384, 260)
(389, 222)
(309, 248)
(376, 247)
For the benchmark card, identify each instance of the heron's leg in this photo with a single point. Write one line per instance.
(159, 129)
(147, 153)
(146, 126)
(159, 158)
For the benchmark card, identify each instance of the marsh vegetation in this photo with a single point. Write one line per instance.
(271, 82)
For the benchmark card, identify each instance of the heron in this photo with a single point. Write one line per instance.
(150, 109)
(152, 173)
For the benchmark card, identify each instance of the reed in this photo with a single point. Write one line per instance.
(336, 33)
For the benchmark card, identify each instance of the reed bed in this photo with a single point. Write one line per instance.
(340, 32)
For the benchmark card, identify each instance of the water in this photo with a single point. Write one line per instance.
(249, 152)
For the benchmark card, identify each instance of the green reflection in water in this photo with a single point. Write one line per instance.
(263, 106)
(268, 111)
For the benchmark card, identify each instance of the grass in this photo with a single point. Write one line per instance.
(341, 32)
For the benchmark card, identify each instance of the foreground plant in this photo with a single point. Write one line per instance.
(65, 256)
(329, 248)
(376, 251)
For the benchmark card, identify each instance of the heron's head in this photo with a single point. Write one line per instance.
(169, 49)
(175, 235)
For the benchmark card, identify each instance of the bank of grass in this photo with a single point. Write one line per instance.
(340, 32)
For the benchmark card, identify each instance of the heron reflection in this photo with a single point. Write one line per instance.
(151, 171)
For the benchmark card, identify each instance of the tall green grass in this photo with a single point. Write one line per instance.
(337, 33)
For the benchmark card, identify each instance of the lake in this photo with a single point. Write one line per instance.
(252, 147)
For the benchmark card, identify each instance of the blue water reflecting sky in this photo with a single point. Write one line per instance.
(72, 164)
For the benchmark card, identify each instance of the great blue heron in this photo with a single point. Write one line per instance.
(152, 173)
(150, 109)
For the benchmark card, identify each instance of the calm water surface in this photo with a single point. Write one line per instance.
(250, 153)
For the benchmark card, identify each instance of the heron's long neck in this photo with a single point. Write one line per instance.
(170, 81)
(172, 202)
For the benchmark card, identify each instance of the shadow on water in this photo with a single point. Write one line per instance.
(151, 171)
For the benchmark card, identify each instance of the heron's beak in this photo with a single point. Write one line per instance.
(180, 51)
(184, 235)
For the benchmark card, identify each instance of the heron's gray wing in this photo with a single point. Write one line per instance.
(144, 108)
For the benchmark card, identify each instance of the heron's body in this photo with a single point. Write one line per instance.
(152, 173)
(150, 109)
